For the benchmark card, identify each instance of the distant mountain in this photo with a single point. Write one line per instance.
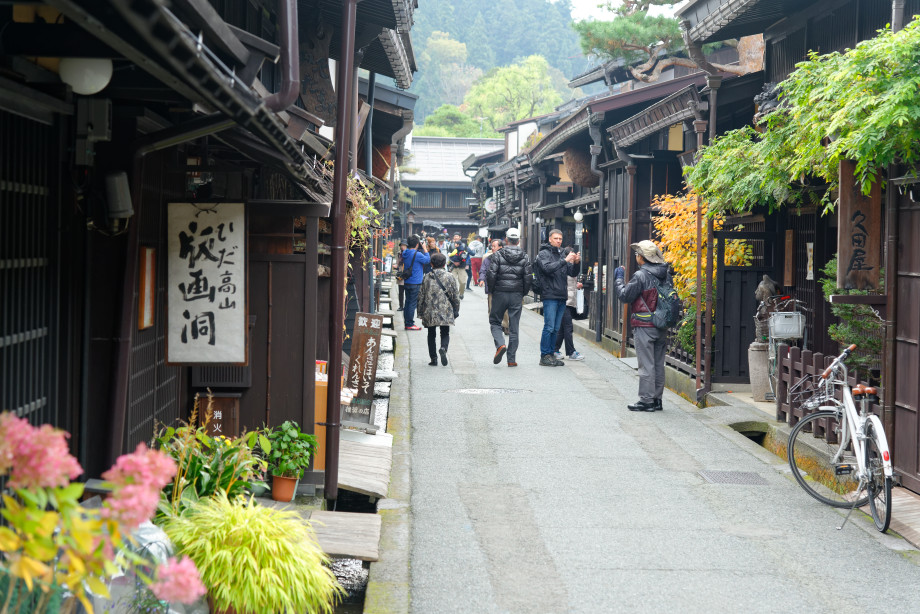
(496, 33)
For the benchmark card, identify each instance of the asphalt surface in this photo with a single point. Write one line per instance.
(551, 496)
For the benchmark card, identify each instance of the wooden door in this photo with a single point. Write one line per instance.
(906, 447)
(736, 305)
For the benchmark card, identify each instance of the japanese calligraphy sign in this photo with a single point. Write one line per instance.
(362, 368)
(859, 233)
(207, 286)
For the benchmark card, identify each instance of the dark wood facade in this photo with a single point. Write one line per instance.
(71, 351)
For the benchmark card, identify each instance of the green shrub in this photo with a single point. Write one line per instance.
(255, 559)
(859, 324)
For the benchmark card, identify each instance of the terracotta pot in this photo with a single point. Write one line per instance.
(283, 489)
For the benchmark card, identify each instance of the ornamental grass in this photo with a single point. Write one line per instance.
(255, 559)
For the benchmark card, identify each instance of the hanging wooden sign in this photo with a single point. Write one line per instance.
(362, 369)
(859, 232)
(206, 294)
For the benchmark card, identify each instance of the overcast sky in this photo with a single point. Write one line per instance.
(583, 9)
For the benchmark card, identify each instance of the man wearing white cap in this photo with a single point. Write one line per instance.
(508, 280)
(642, 292)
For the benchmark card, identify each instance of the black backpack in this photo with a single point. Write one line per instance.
(667, 309)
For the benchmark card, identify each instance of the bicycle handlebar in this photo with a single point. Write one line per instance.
(838, 360)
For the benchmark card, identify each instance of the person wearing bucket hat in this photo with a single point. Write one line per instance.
(642, 292)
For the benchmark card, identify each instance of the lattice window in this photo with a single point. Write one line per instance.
(28, 288)
(453, 200)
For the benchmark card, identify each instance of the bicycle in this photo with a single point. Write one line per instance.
(851, 465)
(785, 321)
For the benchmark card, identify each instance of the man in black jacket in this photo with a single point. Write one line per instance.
(553, 271)
(508, 279)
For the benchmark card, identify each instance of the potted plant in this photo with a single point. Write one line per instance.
(288, 456)
(206, 464)
(254, 558)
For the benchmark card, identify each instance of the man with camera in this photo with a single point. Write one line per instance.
(414, 260)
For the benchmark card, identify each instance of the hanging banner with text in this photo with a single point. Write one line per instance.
(362, 369)
(206, 295)
(859, 232)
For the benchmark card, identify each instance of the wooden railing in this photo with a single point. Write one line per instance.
(794, 364)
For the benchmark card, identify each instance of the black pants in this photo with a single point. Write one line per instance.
(565, 332)
(402, 295)
(445, 340)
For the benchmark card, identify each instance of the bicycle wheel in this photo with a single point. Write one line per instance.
(879, 483)
(811, 460)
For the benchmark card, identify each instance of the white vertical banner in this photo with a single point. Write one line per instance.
(206, 294)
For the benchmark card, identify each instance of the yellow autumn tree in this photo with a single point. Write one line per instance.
(675, 225)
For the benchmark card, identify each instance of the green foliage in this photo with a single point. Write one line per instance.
(495, 34)
(859, 324)
(449, 120)
(208, 465)
(444, 72)
(254, 558)
(686, 330)
(862, 105)
(631, 34)
(291, 450)
(524, 89)
(733, 174)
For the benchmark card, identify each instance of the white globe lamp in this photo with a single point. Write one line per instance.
(86, 76)
(578, 215)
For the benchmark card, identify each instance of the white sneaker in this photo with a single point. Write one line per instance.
(559, 356)
(576, 356)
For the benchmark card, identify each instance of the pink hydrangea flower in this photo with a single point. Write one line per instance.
(36, 457)
(143, 466)
(131, 505)
(137, 479)
(178, 581)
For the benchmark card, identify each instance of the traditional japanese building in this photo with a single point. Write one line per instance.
(164, 179)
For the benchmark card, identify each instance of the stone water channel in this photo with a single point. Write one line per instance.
(352, 574)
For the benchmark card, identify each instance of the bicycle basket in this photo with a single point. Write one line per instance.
(810, 393)
(787, 324)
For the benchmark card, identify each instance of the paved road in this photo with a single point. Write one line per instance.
(557, 499)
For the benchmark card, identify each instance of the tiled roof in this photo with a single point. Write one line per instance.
(440, 159)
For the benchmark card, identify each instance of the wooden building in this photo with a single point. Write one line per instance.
(791, 30)
(198, 103)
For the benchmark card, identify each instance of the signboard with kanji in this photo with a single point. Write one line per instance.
(206, 294)
(362, 368)
(859, 232)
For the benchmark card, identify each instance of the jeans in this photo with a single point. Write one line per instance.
(401, 295)
(411, 303)
(506, 305)
(553, 309)
(565, 332)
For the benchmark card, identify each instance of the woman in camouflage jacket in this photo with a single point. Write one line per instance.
(438, 305)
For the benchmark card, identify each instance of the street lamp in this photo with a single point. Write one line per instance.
(578, 215)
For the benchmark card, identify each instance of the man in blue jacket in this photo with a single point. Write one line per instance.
(553, 271)
(414, 259)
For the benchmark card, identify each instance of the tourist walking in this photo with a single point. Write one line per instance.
(477, 250)
(400, 282)
(508, 278)
(567, 328)
(494, 246)
(415, 258)
(438, 305)
(642, 292)
(456, 258)
(552, 271)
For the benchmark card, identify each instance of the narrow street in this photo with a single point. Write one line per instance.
(535, 490)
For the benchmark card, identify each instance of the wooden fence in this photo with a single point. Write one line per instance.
(794, 364)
